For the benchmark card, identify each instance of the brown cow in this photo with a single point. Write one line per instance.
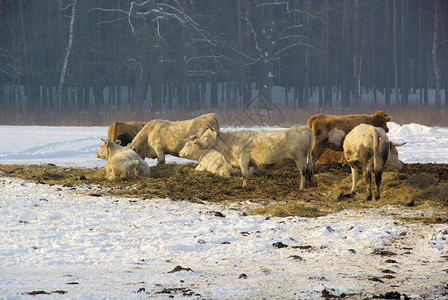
(329, 156)
(329, 131)
(124, 131)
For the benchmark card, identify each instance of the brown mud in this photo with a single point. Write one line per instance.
(416, 186)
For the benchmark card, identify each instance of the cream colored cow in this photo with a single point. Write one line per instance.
(261, 149)
(122, 162)
(160, 137)
(368, 149)
(209, 160)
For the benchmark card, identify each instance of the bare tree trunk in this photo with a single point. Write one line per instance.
(141, 87)
(156, 89)
(67, 52)
(356, 55)
(404, 90)
(394, 28)
(434, 53)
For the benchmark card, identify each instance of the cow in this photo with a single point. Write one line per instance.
(261, 149)
(124, 131)
(329, 131)
(122, 162)
(160, 137)
(328, 156)
(209, 160)
(367, 148)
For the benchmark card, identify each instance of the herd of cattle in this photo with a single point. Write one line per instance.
(358, 140)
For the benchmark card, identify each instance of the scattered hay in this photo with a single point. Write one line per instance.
(433, 195)
(289, 209)
(421, 181)
(277, 192)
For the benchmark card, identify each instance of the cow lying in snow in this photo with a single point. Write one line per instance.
(160, 137)
(263, 149)
(122, 162)
(209, 160)
(124, 131)
(367, 148)
(329, 131)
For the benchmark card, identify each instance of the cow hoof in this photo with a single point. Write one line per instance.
(343, 196)
(369, 198)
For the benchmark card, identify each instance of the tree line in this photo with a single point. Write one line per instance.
(79, 55)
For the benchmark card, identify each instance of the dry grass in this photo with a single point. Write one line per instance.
(429, 116)
(276, 192)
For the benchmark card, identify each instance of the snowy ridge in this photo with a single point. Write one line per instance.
(424, 144)
(76, 146)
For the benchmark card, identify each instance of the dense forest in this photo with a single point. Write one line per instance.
(187, 55)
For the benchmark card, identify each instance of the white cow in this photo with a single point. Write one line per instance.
(122, 162)
(262, 149)
(368, 149)
(209, 160)
(160, 137)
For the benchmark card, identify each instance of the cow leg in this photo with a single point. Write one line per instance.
(315, 153)
(355, 178)
(369, 185)
(244, 166)
(160, 156)
(378, 176)
(301, 166)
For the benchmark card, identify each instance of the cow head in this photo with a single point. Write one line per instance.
(141, 150)
(336, 138)
(188, 148)
(381, 119)
(393, 159)
(103, 152)
(207, 139)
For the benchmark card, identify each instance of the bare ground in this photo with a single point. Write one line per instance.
(417, 186)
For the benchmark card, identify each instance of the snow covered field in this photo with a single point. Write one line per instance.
(60, 242)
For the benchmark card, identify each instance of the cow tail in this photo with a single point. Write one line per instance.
(310, 153)
(376, 149)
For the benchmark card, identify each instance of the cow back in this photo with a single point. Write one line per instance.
(166, 135)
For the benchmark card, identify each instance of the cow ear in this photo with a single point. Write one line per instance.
(215, 134)
(118, 142)
(388, 118)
